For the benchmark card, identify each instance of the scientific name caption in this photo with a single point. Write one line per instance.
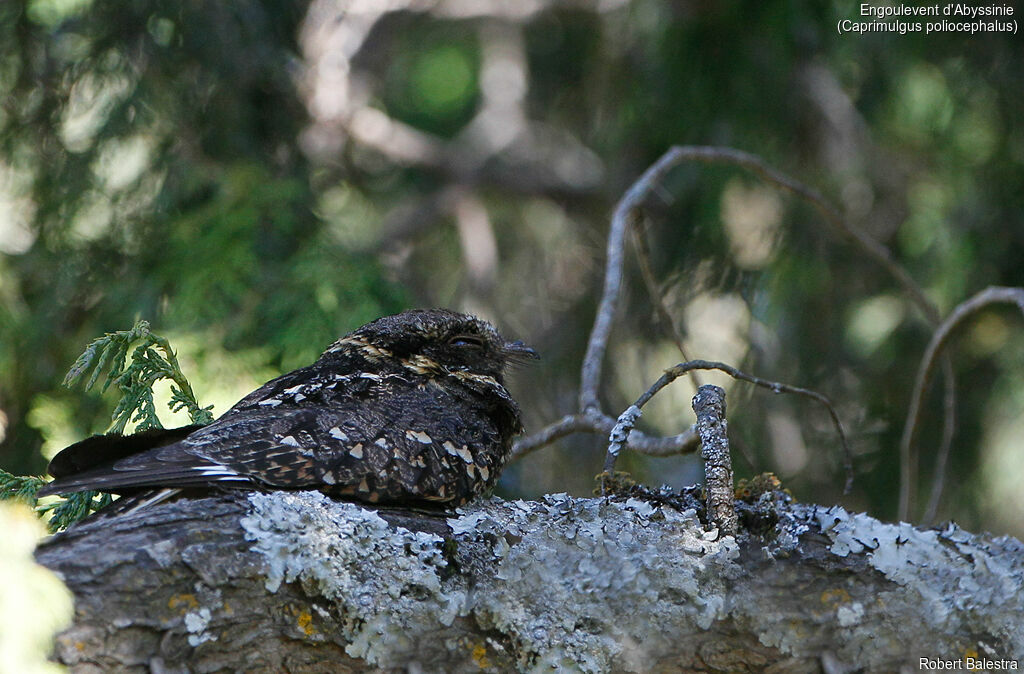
(956, 17)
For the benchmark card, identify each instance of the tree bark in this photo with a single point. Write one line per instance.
(292, 581)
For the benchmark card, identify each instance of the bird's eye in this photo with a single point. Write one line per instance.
(466, 340)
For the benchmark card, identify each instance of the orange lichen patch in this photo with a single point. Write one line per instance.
(183, 603)
(480, 656)
(835, 596)
(80, 645)
(305, 621)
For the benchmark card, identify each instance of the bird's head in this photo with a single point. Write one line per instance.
(435, 341)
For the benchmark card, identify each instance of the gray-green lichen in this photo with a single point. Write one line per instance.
(959, 583)
(585, 581)
(594, 585)
(384, 582)
(560, 596)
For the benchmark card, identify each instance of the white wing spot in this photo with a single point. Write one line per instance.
(216, 471)
(270, 402)
(357, 451)
(484, 473)
(419, 436)
(293, 390)
(338, 434)
(381, 442)
(290, 440)
(328, 478)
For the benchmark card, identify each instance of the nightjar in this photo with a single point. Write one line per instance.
(409, 409)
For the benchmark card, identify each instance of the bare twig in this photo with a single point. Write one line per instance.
(628, 418)
(626, 213)
(709, 404)
(635, 196)
(873, 248)
(684, 443)
(620, 433)
(991, 295)
(598, 343)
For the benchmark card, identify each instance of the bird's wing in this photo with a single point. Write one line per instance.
(100, 449)
(157, 457)
(236, 450)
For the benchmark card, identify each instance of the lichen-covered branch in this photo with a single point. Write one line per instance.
(288, 581)
(709, 405)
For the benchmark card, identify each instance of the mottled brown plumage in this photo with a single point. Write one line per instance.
(409, 408)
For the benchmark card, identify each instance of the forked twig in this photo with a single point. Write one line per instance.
(625, 214)
(684, 443)
(989, 296)
(883, 256)
(598, 342)
(629, 418)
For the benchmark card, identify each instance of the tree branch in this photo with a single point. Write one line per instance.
(625, 215)
(288, 581)
(590, 379)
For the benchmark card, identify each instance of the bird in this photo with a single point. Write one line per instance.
(409, 409)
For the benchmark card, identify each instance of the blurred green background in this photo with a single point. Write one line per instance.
(257, 178)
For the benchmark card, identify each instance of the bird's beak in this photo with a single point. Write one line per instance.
(519, 352)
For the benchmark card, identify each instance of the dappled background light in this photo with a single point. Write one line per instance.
(256, 178)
